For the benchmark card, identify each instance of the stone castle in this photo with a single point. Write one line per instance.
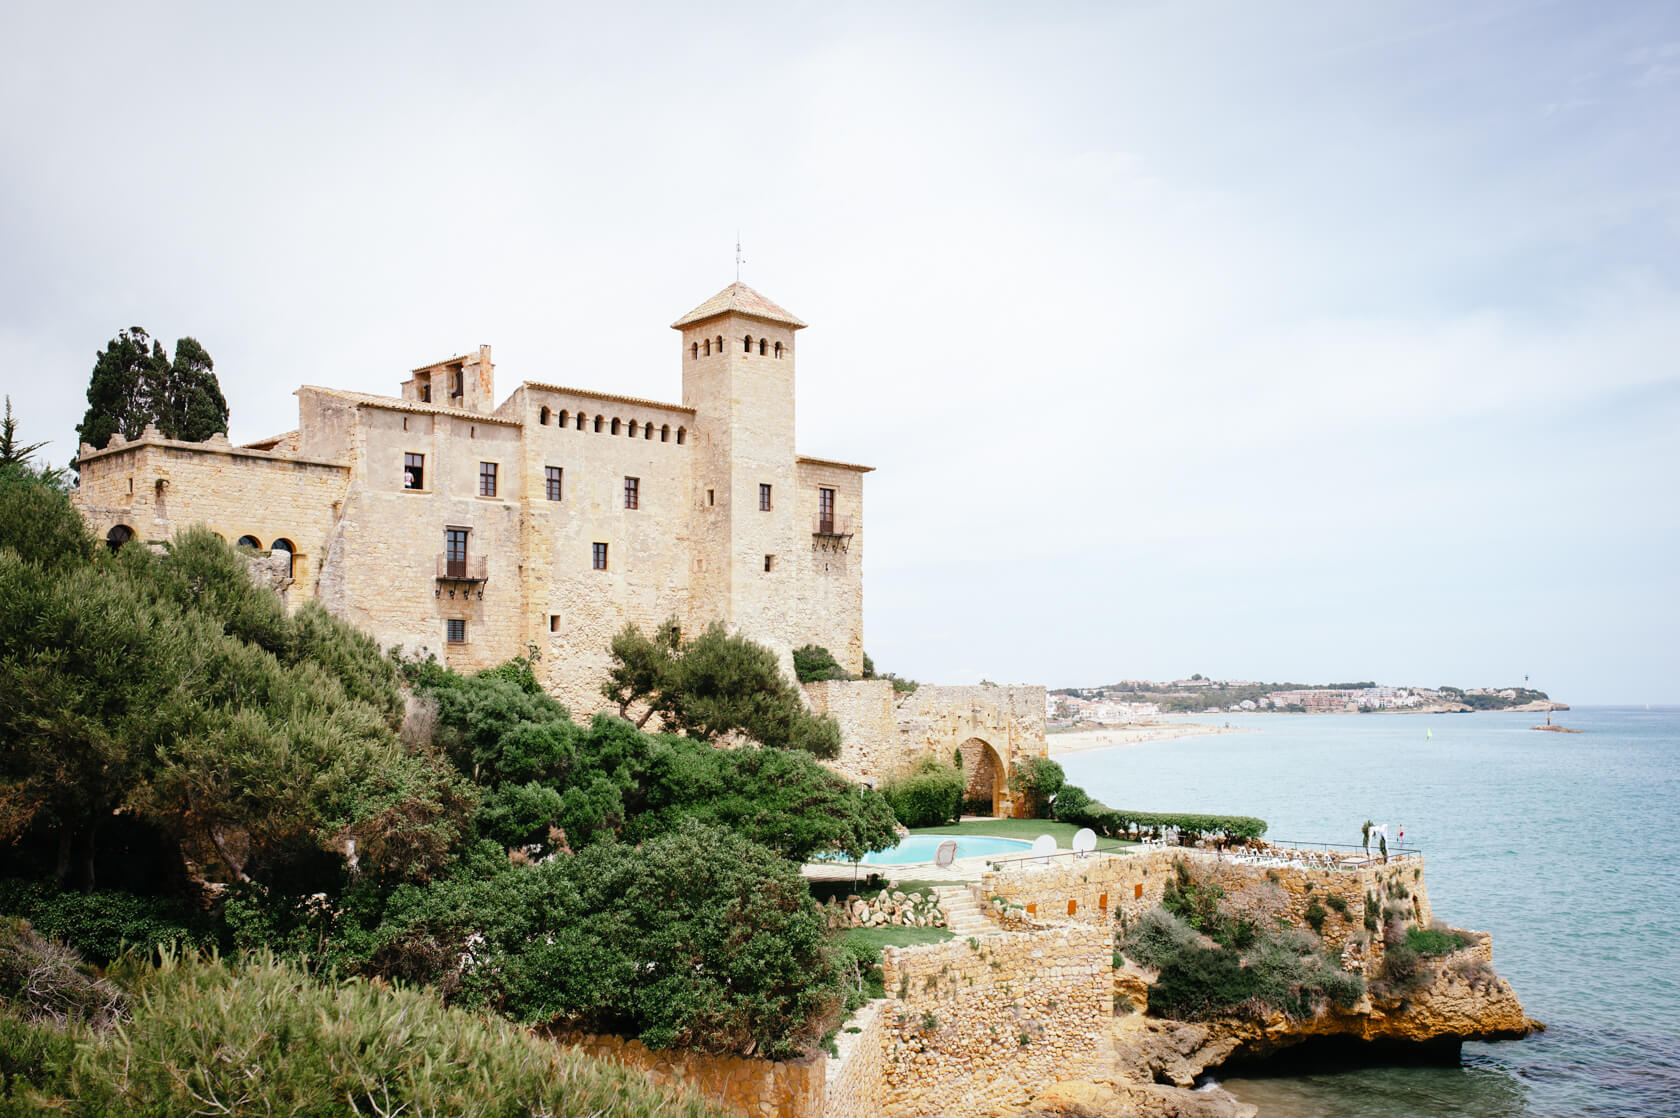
(440, 520)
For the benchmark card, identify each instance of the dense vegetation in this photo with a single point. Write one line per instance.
(928, 794)
(1249, 969)
(1035, 783)
(712, 687)
(184, 765)
(199, 1036)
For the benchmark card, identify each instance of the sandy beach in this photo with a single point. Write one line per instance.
(1131, 733)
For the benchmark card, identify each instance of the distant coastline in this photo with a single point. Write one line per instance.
(1145, 701)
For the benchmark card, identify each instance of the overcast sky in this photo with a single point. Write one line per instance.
(1268, 341)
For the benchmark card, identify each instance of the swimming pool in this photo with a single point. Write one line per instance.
(922, 848)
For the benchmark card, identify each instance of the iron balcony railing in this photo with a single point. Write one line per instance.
(831, 525)
(469, 569)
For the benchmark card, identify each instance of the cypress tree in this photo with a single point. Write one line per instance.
(191, 407)
(135, 383)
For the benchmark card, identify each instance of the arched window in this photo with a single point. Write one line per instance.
(598, 421)
(708, 347)
(747, 343)
(665, 433)
(542, 416)
(632, 428)
(565, 417)
(248, 541)
(763, 347)
(647, 431)
(615, 425)
(696, 349)
(778, 349)
(682, 433)
(290, 549)
(580, 421)
(720, 343)
(118, 535)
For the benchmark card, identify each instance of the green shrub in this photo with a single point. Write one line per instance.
(1035, 783)
(1315, 915)
(1158, 938)
(260, 1037)
(929, 795)
(1071, 804)
(813, 663)
(101, 924)
(1338, 904)
(1437, 940)
(1404, 969)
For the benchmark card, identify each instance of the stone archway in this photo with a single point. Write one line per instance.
(985, 775)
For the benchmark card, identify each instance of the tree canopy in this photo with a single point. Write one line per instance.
(716, 685)
(134, 382)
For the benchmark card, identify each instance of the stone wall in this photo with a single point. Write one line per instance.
(856, 1077)
(747, 1087)
(1102, 887)
(974, 1023)
(884, 731)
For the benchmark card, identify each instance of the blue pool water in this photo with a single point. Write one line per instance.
(921, 848)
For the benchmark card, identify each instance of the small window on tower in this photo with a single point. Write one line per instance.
(551, 480)
(487, 479)
(425, 393)
(764, 498)
(632, 492)
(414, 471)
(554, 622)
(457, 630)
(711, 497)
(600, 556)
(769, 560)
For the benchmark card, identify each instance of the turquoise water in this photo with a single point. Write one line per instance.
(1565, 846)
(921, 848)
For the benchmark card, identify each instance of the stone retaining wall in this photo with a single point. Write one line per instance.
(856, 1076)
(978, 1022)
(1105, 887)
(747, 1087)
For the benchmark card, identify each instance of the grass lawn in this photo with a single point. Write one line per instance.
(890, 936)
(1027, 829)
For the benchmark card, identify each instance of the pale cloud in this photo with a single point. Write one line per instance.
(1185, 337)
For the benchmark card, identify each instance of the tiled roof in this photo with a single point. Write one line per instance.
(837, 465)
(396, 403)
(738, 298)
(636, 400)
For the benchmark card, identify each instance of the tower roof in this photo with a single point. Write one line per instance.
(738, 298)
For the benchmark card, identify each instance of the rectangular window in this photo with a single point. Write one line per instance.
(487, 479)
(425, 393)
(768, 560)
(414, 471)
(825, 511)
(554, 622)
(551, 479)
(600, 556)
(711, 497)
(764, 498)
(632, 492)
(457, 630)
(455, 552)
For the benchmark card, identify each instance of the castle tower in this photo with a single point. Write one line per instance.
(738, 376)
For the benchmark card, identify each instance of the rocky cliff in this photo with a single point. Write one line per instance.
(1156, 1060)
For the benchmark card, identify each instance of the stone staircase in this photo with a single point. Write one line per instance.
(963, 913)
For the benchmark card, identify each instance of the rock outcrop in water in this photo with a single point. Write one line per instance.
(1156, 1061)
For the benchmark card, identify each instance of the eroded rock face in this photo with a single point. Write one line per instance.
(1120, 1099)
(1464, 1000)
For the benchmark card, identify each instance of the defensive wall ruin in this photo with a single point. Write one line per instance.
(992, 726)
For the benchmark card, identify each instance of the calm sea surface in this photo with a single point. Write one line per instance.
(1565, 846)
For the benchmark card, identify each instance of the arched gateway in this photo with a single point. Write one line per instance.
(986, 778)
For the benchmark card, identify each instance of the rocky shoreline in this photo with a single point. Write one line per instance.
(1157, 1062)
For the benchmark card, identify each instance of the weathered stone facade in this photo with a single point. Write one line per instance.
(603, 509)
(993, 727)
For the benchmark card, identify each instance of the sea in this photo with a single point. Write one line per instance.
(1566, 847)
